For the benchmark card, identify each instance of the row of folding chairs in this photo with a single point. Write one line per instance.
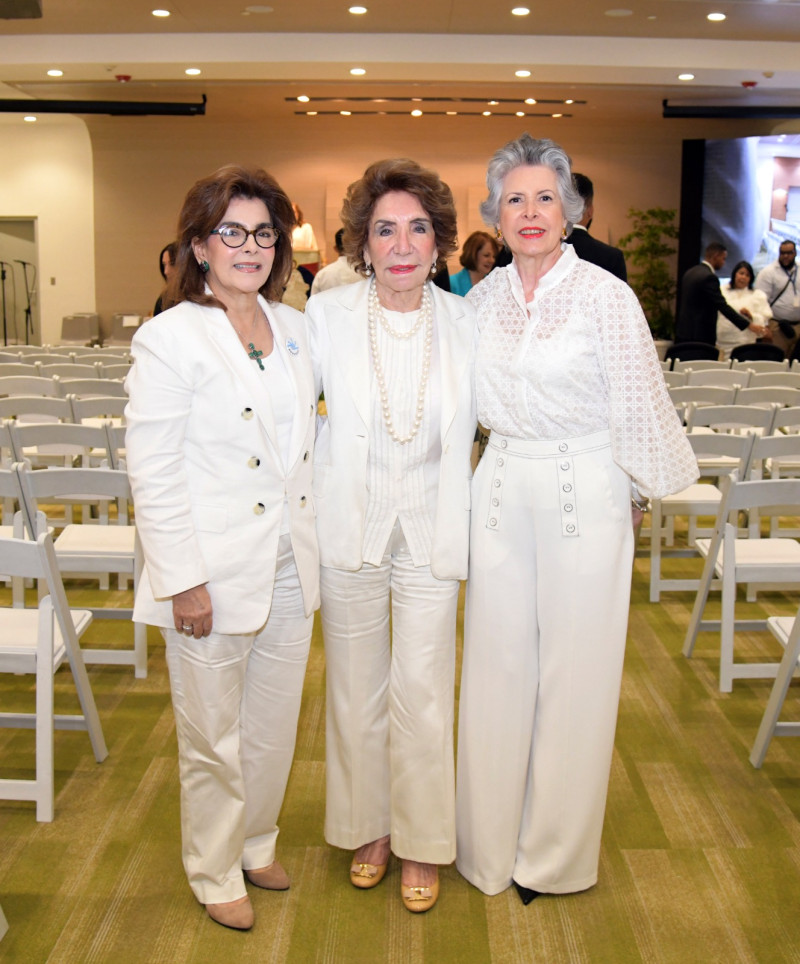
(57, 387)
(698, 364)
(764, 418)
(62, 443)
(46, 368)
(73, 408)
(686, 395)
(729, 377)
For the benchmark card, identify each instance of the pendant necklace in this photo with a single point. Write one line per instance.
(254, 353)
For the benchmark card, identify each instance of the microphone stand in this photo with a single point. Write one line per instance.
(28, 293)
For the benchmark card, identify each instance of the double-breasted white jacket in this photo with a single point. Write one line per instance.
(208, 481)
(337, 322)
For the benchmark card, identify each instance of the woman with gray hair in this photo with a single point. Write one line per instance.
(582, 435)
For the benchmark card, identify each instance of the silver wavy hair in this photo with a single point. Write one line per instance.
(527, 151)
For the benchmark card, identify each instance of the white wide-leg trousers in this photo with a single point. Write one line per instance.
(389, 747)
(545, 624)
(236, 702)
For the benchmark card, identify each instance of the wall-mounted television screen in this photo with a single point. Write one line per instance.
(744, 192)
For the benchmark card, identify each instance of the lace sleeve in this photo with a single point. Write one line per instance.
(647, 439)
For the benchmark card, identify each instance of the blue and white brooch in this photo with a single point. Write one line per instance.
(292, 347)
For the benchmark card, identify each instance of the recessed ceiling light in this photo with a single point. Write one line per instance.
(487, 113)
(530, 100)
(685, 76)
(55, 73)
(716, 17)
(193, 71)
(520, 113)
(357, 71)
(258, 8)
(618, 12)
(345, 113)
(556, 115)
(493, 103)
(311, 113)
(30, 119)
(357, 10)
(520, 11)
(304, 98)
(160, 13)
(416, 100)
(451, 113)
(416, 113)
(522, 73)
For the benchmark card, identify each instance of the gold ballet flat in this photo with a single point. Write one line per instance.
(419, 899)
(365, 876)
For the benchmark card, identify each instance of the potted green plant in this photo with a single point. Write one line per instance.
(647, 249)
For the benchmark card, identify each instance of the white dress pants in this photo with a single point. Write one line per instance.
(545, 624)
(389, 747)
(236, 702)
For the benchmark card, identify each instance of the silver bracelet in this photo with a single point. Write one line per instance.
(643, 505)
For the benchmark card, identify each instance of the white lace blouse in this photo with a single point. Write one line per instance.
(576, 360)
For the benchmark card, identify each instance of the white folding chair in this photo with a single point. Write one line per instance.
(780, 379)
(699, 364)
(733, 419)
(29, 385)
(769, 562)
(91, 549)
(38, 641)
(35, 408)
(683, 395)
(92, 387)
(98, 407)
(761, 366)
(698, 499)
(117, 371)
(718, 376)
(787, 631)
(674, 379)
(24, 369)
(765, 395)
(68, 370)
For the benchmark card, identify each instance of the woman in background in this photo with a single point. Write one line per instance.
(477, 257)
(748, 301)
(221, 423)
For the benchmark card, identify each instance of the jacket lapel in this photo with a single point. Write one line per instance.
(455, 334)
(349, 335)
(296, 358)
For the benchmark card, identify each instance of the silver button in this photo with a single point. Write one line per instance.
(564, 466)
(497, 483)
(501, 461)
(567, 487)
(495, 502)
(253, 462)
(258, 508)
(568, 507)
(570, 528)
(563, 447)
(302, 501)
(504, 444)
(492, 522)
(247, 413)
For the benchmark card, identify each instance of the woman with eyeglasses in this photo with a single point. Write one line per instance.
(220, 433)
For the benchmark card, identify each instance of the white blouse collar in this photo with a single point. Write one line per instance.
(554, 276)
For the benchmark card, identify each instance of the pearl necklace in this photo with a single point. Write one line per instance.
(375, 315)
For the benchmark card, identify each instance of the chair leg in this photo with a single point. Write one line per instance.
(776, 697)
(140, 650)
(655, 551)
(728, 618)
(45, 709)
(702, 596)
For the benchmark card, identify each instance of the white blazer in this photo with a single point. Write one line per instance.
(337, 323)
(208, 480)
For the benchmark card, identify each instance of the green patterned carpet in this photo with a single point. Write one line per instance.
(700, 860)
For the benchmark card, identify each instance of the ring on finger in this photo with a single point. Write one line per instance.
(187, 629)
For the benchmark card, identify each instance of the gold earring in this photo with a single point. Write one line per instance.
(498, 234)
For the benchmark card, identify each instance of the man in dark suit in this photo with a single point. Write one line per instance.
(587, 247)
(701, 300)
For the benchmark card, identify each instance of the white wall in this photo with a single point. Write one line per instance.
(46, 173)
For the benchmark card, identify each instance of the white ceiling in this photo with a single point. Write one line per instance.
(441, 48)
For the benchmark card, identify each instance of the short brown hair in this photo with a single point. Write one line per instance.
(472, 246)
(406, 175)
(202, 211)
